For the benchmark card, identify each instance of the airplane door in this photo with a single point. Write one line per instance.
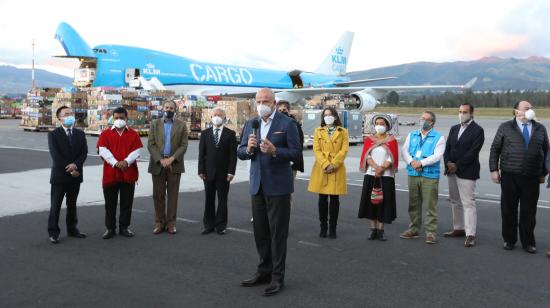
(296, 79)
(131, 74)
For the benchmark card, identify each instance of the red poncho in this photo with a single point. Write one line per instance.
(120, 146)
(390, 144)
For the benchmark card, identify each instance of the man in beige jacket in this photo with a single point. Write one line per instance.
(167, 144)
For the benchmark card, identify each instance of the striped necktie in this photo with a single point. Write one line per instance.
(217, 136)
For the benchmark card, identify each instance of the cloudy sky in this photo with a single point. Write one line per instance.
(282, 34)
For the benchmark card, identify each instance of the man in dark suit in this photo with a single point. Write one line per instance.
(69, 150)
(462, 166)
(217, 164)
(284, 108)
(517, 163)
(272, 143)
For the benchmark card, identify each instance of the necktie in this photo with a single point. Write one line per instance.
(70, 135)
(217, 136)
(526, 135)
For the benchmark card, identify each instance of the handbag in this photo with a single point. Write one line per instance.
(377, 194)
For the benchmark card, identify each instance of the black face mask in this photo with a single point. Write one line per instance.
(169, 114)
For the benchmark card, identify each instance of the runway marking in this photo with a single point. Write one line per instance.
(138, 211)
(492, 195)
(47, 150)
(310, 244)
(187, 220)
(240, 230)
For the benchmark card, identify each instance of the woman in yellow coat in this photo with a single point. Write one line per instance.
(328, 175)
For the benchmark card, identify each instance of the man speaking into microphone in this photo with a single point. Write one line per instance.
(272, 144)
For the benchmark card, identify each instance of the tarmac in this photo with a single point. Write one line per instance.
(193, 270)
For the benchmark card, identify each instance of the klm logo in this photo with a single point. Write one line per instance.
(339, 61)
(339, 57)
(150, 69)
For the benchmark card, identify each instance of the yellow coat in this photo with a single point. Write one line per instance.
(329, 150)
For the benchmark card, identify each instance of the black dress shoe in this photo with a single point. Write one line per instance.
(274, 288)
(373, 234)
(207, 231)
(77, 234)
(508, 246)
(110, 233)
(257, 280)
(126, 232)
(221, 232)
(530, 249)
(54, 239)
(380, 236)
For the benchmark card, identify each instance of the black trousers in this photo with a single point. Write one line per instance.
(111, 193)
(324, 209)
(58, 192)
(525, 191)
(271, 216)
(212, 218)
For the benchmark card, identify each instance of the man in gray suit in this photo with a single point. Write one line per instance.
(167, 144)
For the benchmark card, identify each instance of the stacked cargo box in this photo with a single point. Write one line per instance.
(237, 112)
(36, 110)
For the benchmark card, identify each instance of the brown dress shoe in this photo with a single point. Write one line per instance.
(430, 238)
(470, 241)
(158, 230)
(172, 230)
(455, 233)
(409, 234)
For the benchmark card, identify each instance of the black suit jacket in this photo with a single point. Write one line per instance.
(221, 160)
(64, 152)
(464, 152)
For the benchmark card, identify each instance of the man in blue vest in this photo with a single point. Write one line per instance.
(422, 151)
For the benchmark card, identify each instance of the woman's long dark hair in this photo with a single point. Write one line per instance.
(334, 113)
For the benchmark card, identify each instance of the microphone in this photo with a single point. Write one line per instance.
(255, 126)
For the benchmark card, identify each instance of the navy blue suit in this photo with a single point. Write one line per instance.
(274, 174)
(271, 183)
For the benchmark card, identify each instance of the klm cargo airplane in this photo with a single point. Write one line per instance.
(125, 66)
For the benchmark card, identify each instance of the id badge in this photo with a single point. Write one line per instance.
(418, 153)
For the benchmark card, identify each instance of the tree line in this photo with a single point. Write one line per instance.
(478, 99)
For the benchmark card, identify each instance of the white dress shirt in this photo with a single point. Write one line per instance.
(529, 126)
(430, 160)
(266, 125)
(463, 127)
(380, 155)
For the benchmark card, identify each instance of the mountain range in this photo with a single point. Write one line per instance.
(493, 73)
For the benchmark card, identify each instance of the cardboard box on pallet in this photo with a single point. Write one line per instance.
(237, 113)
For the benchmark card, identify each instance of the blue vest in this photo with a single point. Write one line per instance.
(424, 149)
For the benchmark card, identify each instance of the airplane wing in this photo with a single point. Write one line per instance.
(347, 83)
(348, 90)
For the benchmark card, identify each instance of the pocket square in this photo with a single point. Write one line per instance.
(275, 133)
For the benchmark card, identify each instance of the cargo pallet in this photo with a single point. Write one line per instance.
(39, 128)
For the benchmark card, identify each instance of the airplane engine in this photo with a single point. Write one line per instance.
(365, 101)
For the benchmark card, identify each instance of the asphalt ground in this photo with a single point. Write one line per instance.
(194, 270)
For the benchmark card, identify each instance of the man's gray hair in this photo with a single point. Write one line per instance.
(432, 115)
(220, 109)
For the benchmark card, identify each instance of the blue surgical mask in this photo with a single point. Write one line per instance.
(69, 121)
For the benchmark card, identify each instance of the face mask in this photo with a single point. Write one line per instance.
(169, 114)
(530, 114)
(463, 117)
(285, 113)
(69, 121)
(119, 123)
(263, 110)
(426, 125)
(329, 120)
(217, 121)
(380, 129)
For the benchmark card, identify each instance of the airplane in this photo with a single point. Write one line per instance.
(125, 66)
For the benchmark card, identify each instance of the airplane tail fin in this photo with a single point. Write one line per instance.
(72, 42)
(337, 60)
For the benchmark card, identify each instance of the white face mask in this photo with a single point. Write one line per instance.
(329, 120)
(119, 123)
(463, 117)
(530, 114)
(217, 121)
(263, 110)
(380, 129)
